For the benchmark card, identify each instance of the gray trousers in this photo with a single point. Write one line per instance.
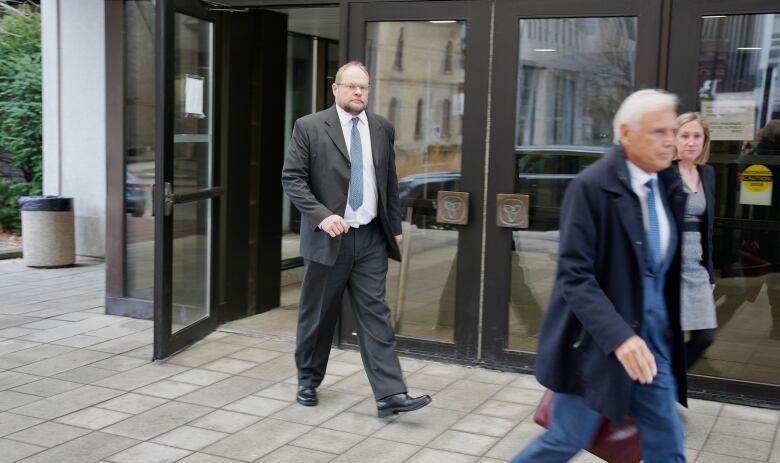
(361, 267)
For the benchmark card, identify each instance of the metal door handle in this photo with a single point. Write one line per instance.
(179, 198)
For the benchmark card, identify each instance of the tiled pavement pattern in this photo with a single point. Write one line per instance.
(77, 386)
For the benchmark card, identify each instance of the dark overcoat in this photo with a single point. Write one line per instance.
(596, 303)
(316, 175)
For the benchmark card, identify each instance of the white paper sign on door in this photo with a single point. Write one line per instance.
(193, 96)
(730, 119)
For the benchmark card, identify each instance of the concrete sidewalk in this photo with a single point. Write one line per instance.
(77, 385)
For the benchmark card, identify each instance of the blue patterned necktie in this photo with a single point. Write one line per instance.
(356, 174)
(653, 228)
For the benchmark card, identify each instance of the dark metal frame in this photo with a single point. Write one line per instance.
(117, 302)
(467, 297)
(115, 157)
(166, 342)
(502, 134)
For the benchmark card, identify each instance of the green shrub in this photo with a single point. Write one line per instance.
(20, 107)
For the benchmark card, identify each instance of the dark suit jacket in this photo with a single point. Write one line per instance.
(596, 302)
(316, 178)
(707, 176)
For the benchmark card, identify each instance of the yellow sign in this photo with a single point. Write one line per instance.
(757, 178)
(756, 186)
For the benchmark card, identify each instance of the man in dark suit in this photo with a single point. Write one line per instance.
(340, 174)
(611, 341)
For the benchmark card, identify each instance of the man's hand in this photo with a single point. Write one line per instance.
(334, 225)
(637, 360)
(398, 239)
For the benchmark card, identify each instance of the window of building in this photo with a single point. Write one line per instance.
(446, 111)
(418, 122)
(398, 65)
(448, 57)
(392, 111)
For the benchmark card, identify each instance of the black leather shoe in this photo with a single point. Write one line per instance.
(398, 403)
(307, 396)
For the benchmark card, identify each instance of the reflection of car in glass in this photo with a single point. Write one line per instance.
(544, 172)
(419, 191)
(135, 200)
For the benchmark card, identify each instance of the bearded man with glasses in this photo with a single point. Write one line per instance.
(340, 173)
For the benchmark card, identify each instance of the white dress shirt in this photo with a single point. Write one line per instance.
(367, 211)
(639, 180)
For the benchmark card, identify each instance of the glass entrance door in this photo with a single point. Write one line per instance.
(731, 75)
(558, 79)
(428, 83)
(186, 195)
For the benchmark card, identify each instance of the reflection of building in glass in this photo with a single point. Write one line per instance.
(740, 59)
(417, 83)
(572, 73)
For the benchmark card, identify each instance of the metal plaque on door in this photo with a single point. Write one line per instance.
(452, 207)
(512, 210)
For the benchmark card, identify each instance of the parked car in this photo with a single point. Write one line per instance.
(419, 192)
(544, 173)
(135, 198)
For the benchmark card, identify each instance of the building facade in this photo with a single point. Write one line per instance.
(167, 121)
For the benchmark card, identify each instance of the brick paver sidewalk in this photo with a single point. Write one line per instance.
(77, 385)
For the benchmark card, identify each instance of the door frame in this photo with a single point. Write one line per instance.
(498, 246)
(467, 293)
(166, 342)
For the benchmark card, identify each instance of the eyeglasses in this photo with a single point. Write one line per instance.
(353, 87)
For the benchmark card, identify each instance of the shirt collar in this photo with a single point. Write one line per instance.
(638, 176)
(346, 118)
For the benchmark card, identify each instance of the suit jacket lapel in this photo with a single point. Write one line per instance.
(334, 131)
(627, 205)
(373, 130)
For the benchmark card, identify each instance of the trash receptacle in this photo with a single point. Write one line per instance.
(47, 231)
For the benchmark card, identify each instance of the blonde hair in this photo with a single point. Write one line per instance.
(686, 118)
(358, 64)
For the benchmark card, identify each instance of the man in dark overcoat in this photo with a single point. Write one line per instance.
(611, 342)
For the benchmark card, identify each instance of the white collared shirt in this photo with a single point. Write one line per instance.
(639, 180)
(365, 213)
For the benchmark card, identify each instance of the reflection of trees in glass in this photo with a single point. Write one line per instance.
(721, 59)
(572, 76)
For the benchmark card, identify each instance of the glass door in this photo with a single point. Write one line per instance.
(187, 196)
(729, 71)
(428, 64)
(559, 75)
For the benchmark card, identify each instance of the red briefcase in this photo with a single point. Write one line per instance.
(615, 443)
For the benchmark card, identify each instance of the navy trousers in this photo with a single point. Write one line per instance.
(574, 424)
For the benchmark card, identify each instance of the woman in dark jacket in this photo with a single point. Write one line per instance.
(697, 305)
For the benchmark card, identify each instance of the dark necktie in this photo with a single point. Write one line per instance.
(356, 174)
(653, 227)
